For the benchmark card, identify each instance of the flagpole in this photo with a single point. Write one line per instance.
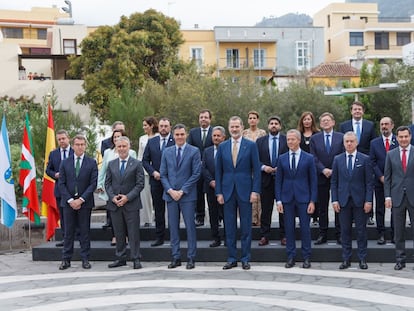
(10, 239)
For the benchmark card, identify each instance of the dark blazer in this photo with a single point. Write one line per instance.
(86, 181)
(358, 185)
(194, 138)
(367, 134)
(130, 184)
(301, 186)
(151, 160)
(395, 180)
(182, 177)
(323, 159)
(106, 144)
(264, 155)
(53, 165)
(245, 178)
(377, 154)
(208, 169)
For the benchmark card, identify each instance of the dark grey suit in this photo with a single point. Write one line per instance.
(125, 219)
(399, 186)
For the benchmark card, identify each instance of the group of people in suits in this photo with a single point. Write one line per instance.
(300, 174)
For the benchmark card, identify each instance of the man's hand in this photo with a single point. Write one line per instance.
(76, 204)
(156, 175)
(311, 208)
(279, 207)
(336, 207)
(327, 172)
(367, 207)
(254, 197)
(388, 203)
(176, 194)
(220, 199)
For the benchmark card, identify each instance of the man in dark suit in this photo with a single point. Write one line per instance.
(377, 153)
(215, 210)
(352, 192)
(296, 194)
(151, 160)
(324, 146)
(52, 169)
(237, 187)
(123, 184)
(180, 170)
(200, 137)
(78, 177)
(399, 190)
(270, 147)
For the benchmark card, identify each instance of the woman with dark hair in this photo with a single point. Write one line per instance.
(307, 127)
(150, 127)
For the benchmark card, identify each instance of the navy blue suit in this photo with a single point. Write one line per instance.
(182, 176)
(236, 185)
(323, 160)
(195, 138)
(53, 164)
(351, 191)
(377, 155)
(367, 134)
(215, 209)
(296, 189)
(267, 195)
(106, 144)
(151, 160)
(72, 187)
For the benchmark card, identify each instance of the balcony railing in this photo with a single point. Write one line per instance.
(267, 63)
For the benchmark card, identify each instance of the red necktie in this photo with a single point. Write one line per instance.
(404, 160)
(387, 144)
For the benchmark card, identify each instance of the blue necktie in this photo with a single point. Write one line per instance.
(293, 162)
(122, 170)
(163, 144)
(328, 143)
(350, 164)
(358, 131)
(274, 151)
(178, 156)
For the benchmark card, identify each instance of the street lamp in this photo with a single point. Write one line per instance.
(68, 9)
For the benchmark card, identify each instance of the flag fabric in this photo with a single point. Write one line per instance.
(49, 208)
(7, 193)
(27, 180)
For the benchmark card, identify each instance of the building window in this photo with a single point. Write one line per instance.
(382, 41)
(329, 46)
(232, 58)
(42, 34)
(302, 55)
(403, 38)
(356, 38)
(329, 20)
(259, 58)
(197, 57)
(69, 46)
(12, 33)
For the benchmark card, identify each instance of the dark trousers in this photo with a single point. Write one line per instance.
(399, 216)
(380, 211)
(77, 218)
(215, 212)
(201, 203)
(267, 198)
(61, 218)
(348, 213)
(159, 209)
(323, 208)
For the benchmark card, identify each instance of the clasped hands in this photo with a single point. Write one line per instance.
(120, 200)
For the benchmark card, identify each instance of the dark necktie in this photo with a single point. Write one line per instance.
(163, 144)
(387, 144)
(77, 166)
(64, 154)
(178, 156)
(350, 164)
(204, 137)
(404, 160)
(328, 143)
(122, 170)
(293, 162)
(274, 151)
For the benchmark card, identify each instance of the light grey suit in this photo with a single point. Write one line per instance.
(399, 186)
(125, 219)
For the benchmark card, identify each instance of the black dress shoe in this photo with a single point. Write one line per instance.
(199, 223)
(174, 263)
(106, 226)
(157, 242)
(283, 241)
(215, 243)
(370, 221)
(117, 263)
(245, 265)
(59, 244)
(338, 241)
(290, 263)
(230, 265)
(306, 264)
(381, 240)
(399, 266)
(137, 264)
(64, 265)
(344, 265)
(190, 264)
(363, 265)
(86, 264)
(321, 240)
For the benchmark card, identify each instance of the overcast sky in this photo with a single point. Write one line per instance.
(206, 14)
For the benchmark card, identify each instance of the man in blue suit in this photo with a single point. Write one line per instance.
(296, 194)
(270, 147)
(324, 146)
(180, 170)
(201, 138)
(78, 177)
(377, 153)
(215, 210)
(52, 169)
(352, 192)
(237, 187)
(151, 160)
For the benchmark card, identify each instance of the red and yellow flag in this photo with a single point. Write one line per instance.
(27, 180)
(49, 208)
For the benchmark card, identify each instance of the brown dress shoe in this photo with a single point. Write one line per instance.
(263, 241)
(283, 241)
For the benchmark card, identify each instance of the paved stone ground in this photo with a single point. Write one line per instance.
(28, 285)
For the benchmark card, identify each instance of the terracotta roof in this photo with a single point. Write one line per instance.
(334, 70)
